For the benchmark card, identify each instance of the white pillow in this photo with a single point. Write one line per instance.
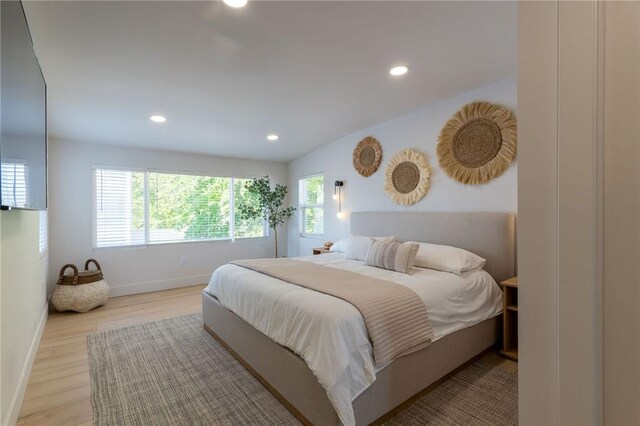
(340, 246)
(357, 246)
(448, 259)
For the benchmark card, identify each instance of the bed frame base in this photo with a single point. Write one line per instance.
(288, 377)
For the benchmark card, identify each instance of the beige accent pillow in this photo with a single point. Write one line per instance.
(398, 257)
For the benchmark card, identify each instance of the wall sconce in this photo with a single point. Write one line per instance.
(337, 195)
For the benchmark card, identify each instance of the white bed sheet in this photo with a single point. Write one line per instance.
(330, 334)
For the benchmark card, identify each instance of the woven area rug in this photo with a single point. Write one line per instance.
(172, 372)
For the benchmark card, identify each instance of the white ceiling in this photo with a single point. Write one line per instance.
(311, 72)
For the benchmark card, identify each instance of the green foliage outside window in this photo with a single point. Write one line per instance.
(314, 190)
(197, 206)
(312, 205)
(246, 226)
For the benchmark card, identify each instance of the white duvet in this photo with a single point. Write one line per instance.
(330, 334)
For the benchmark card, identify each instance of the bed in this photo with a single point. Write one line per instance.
(357, 391)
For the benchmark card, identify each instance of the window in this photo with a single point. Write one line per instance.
(311, 201)
(42, 232)
(148, 207)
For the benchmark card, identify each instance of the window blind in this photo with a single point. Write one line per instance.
(188, 208)
(42, 232)
(311, 200)
(119, 208)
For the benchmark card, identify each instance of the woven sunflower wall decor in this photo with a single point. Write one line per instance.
(478, 143)
(407, 177)
(367, 156)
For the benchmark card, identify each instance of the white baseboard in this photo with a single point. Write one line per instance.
(135, 288)
(16, 402)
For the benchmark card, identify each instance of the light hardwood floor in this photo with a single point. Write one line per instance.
(58, 391)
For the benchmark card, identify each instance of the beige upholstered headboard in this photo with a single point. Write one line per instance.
(490, 235)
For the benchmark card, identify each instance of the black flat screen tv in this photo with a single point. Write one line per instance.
(23, 115)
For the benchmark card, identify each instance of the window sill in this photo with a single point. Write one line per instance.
(171, 243)
(312, 236)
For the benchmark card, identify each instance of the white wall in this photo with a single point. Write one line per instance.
(418, 130)
(23, 306)
(134, 270)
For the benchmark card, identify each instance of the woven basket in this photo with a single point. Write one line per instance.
(84, 277)
(80, 291)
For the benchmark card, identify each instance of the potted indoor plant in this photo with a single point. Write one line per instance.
(269, 204)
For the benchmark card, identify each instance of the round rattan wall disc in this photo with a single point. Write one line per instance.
(367, 156)
(407, 177)
(478, 143)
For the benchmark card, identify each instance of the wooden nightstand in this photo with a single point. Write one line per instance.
(510, 318)
(320, 250)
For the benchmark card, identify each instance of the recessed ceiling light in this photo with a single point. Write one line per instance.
(272, 137)
(235, 3)
(157, 119)
(399, 70)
